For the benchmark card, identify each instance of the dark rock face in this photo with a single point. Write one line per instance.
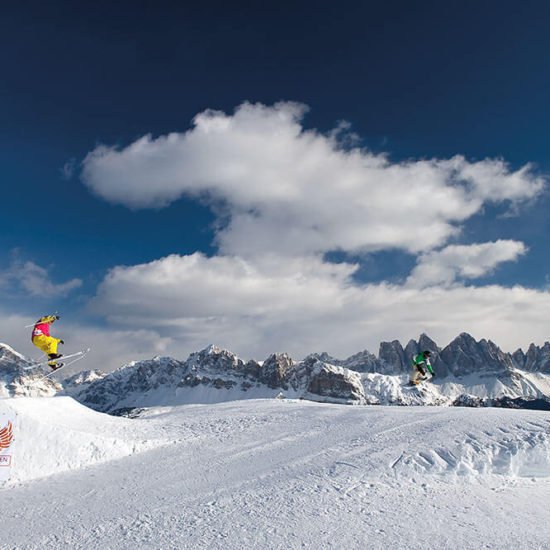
(426, 343)
(503, 403)
(464, 356)
(393, 357)
(519, 358)
(469, 401)
(537, 359)
(219, 360)
(411, 349)
(364, 361)
(338, 384)
(252, 369)
(326, 358)
(274, 371)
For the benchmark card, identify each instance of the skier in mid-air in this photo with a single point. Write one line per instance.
(43, 341)
(421, 364)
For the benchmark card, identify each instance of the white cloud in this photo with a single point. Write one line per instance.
(178, 288)
(305, 306)
(289, 195)
(466, 261)
(35, 280)
(296, 192)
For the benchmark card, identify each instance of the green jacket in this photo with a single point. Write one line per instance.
(422, 362)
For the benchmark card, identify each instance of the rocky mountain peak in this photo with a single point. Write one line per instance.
(538, 358)
(392, 357)
(333, 382)
(16, 381)
(275, 369)
(216, 358)
(426, 343)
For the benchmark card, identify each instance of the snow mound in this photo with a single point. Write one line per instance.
(57, 434)
(522, 453)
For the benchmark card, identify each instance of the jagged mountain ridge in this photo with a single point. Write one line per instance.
(466, 370)
(461, 357)
(215, 374)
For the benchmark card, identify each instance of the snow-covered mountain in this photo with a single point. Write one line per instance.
(15, 381)
(214, 375)
(76, 383)
(469, 372)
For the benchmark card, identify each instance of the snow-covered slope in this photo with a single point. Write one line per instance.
(285, 474)
(58, 434)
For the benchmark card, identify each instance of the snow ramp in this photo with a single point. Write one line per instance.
(57, 434)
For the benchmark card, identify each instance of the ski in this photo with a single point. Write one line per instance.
(63, 357)
(80, 356)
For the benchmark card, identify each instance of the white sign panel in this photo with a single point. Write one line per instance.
(7, 437)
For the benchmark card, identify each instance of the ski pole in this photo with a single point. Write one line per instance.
(56, 314)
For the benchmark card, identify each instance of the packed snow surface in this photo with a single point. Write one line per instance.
(277, 474)
(57, 434)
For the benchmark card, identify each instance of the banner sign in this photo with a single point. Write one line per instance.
(7, 426)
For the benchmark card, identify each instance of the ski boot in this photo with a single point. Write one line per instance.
(53, 364)
(56, 366)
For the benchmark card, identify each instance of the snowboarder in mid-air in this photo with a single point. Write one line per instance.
(43, 341)
(421, 364)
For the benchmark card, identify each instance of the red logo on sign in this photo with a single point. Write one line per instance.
(6, 436)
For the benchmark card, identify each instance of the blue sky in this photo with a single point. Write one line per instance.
(202, 260)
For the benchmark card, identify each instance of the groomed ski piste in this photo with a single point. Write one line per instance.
(276, 473)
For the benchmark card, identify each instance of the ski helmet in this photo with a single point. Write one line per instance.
(427, 353)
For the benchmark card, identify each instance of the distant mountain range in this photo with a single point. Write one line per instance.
(468, 373)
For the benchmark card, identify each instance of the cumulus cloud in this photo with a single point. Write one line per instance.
(305, 306)
(178, 289)
(35, 280)
(443, 267)
(286, 196)
(299, 192)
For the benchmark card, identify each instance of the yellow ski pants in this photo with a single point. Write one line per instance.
(48, 344)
